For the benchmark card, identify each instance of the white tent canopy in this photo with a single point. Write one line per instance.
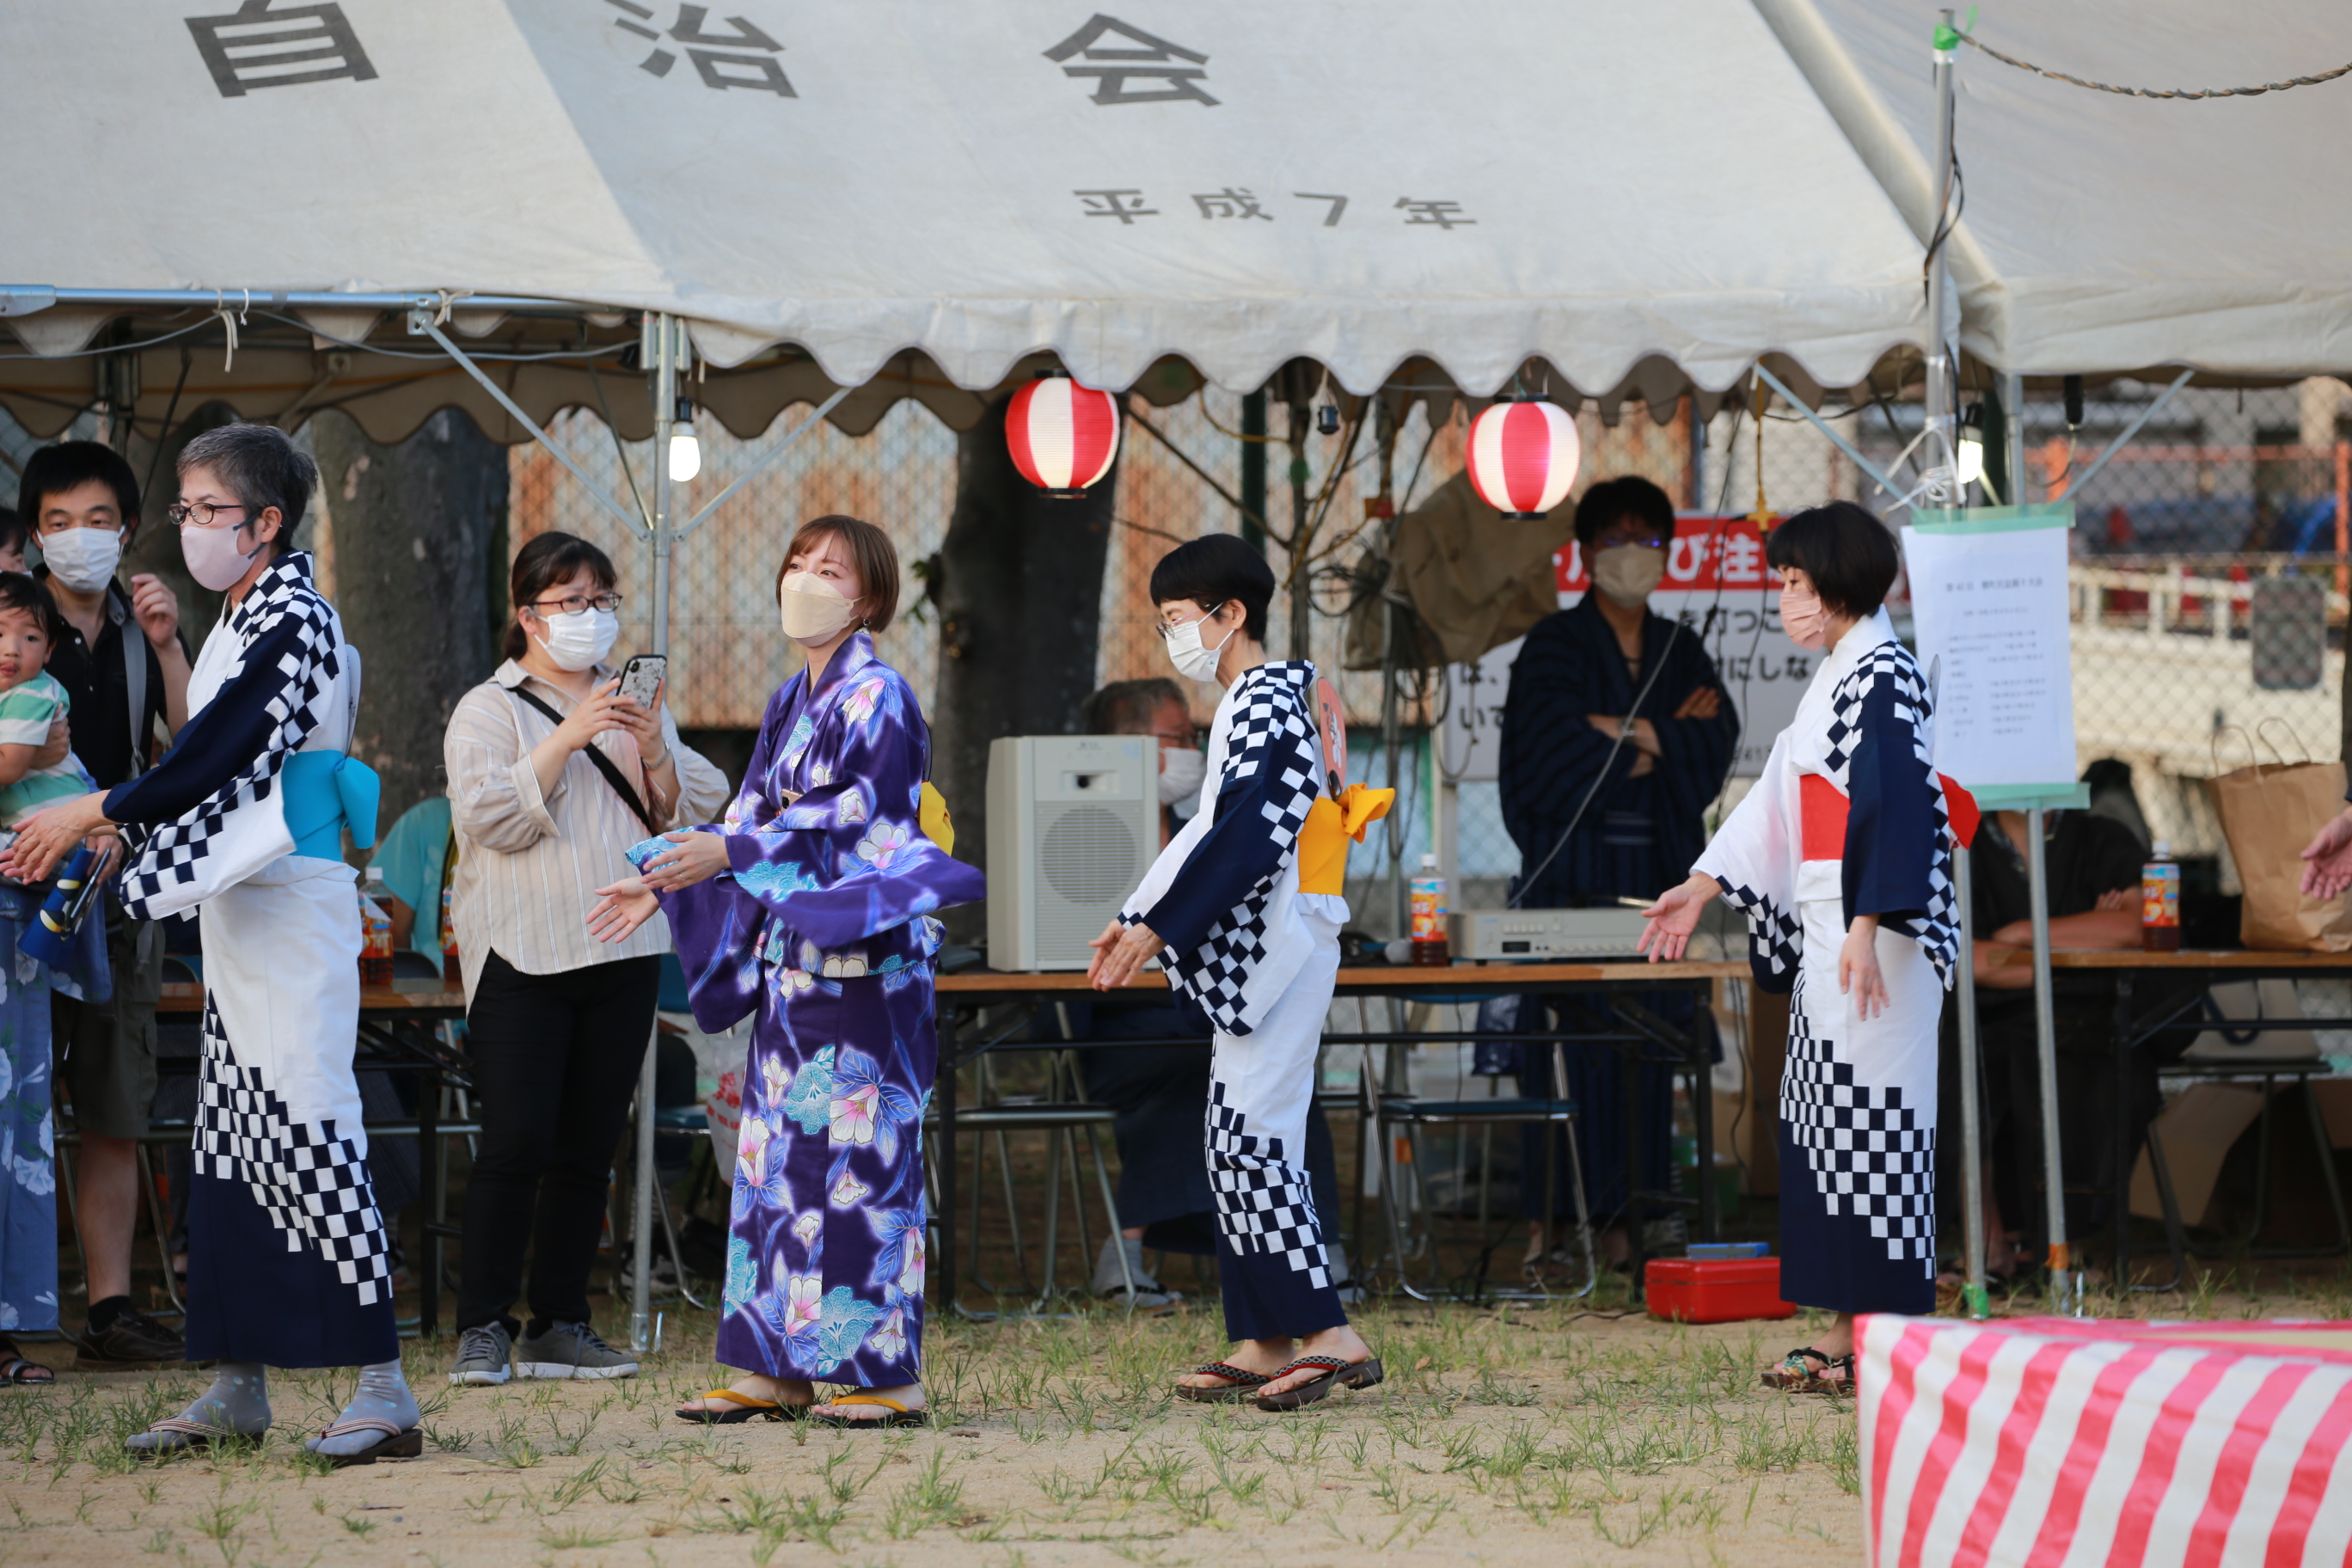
(2104, 233)
(1642, 198)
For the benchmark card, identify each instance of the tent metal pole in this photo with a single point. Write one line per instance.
(666, 331)
(762, 465)
(2130, 430)
(2012, 403)
(421, 323)
(1826, 429)
(1937, 487)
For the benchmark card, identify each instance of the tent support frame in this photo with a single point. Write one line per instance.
(1826, 429)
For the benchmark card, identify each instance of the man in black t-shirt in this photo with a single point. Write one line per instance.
(2093, 865)
(121, 662)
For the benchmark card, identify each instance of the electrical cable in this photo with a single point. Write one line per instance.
(2312, 80)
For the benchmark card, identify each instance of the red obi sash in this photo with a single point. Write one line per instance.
(1822, 810)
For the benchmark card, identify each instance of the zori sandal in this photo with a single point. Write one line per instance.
(1365, 1373)
(1793, 1375)
(1240, 1382)
(177, 1435)
(900, 1415)
(398, 1442)
(15, 1370)
(747, 1408)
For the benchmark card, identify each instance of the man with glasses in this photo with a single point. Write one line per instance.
(121, 662)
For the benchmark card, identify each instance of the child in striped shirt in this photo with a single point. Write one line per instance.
(31, 701)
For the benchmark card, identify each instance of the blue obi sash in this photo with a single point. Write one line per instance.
(325, 792)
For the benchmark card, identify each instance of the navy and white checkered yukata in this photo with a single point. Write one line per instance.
(1857, 1096)
(1259, 957)
(288, 1261)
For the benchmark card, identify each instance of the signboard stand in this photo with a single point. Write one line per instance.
(1991, 619)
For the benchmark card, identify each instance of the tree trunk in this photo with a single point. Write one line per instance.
(1019, 587)
(412, 531)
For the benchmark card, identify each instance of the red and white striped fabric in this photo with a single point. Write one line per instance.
(1523, 457)
(2056, 1442)
(1063, 435)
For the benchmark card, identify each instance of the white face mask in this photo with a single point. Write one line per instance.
(1193, 661)
(1626, 572)
(83, 559)
(1181, 768)
(814, 611)
(579, 642)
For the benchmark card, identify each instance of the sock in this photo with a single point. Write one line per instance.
(238, 1400)
(103, 1313)
(384, 1393)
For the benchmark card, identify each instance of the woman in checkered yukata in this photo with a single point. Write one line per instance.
(1840, 857)
(1252, 944)
(243, 821)
(810, 910)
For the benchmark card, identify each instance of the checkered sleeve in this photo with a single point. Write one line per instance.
(1898, 862)
(1263, 796)
(253, 711)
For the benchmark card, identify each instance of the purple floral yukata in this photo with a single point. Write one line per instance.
(823, 928)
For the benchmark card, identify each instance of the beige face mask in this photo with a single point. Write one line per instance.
(814, 611)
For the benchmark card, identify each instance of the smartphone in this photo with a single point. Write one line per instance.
(642, 677)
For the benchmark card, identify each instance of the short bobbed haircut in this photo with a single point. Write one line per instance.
(1611, 501)
(1848, 553)
(260, 466)
(870, 551)
(1213, 570)
(70, 465)
(548, 561)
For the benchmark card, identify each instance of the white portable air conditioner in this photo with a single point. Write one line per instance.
(1073, 823)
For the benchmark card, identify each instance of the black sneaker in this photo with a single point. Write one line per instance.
(133, 1340)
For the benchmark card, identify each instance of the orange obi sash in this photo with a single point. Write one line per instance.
(1330, 823)
(1822, 810)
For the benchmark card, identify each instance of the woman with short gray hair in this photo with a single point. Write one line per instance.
(243, 820)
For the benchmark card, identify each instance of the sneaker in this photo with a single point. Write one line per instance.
(1112, 1284)
(133, 1340)
(482, 1355)
(571, 1350)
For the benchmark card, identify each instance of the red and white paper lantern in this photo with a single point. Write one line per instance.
(1063, 436)
(1523, 457)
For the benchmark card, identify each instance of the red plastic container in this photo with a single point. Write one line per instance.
(1715, 1291)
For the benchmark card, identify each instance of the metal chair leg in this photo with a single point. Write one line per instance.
(1583, 1213)
(162, 1224)
(1078, 1205)
(2176, 1238)
(2328, 1165)
(1053, 1214)
(1110, 1212)
(677, 1260)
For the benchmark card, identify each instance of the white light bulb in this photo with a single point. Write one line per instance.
(684, 455)
(1970, 458)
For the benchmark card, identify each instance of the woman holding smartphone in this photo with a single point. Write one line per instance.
(553, 772)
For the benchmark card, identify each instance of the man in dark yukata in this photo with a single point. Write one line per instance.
(1597, 820)
(1159, 1093)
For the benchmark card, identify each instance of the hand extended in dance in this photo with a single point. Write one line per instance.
(622, 908)
(1858, 974)
(695, 857)
(2328, 859)
(52, 834)
(1120, 953)
(1675, 916)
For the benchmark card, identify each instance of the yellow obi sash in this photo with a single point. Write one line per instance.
(1330, 823)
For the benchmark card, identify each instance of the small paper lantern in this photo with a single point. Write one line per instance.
(1523, 457)
(1063, 436)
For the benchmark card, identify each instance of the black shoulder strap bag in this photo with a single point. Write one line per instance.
(603, 764)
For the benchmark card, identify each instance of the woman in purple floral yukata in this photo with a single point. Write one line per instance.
(812, 906)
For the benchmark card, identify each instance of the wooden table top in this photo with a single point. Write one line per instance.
(185, 996)
(1376, 977)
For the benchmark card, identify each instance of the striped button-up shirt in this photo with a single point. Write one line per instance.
(530, 860)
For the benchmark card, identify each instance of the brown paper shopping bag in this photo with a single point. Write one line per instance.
(2268, 814)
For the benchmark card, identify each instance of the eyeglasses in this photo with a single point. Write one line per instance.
(1168, 628)
(1645, 540)
(199, 513)
(573, 603)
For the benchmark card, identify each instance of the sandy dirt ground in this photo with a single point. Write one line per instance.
(1502, 1437)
